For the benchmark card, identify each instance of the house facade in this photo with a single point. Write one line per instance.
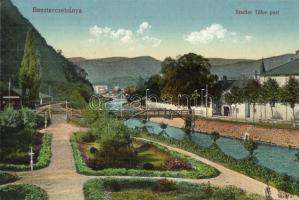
(264, 112)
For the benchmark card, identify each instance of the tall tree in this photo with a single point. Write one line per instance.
(271, 93)
(185, 74)
(29, 76)
(252, 91)
(290, 95)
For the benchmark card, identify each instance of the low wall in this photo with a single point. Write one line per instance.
(283, 137)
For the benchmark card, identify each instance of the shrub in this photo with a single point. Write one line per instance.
(297, 156)
(116, 152)
(176, 164)
(93, 150)
(148, 166)
(24, 191)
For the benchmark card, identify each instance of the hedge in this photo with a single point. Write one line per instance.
(43, 159)
(249, 167)
(7, 178)
(24, 191)
(201, 170)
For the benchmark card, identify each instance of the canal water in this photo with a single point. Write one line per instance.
(277, 158)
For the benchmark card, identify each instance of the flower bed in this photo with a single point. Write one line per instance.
(200, 170)
(24, 191)
(43, 159)
(163, 189)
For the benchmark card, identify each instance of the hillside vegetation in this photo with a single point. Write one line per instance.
(55, 69)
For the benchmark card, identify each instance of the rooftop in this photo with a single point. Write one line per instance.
(288, 69)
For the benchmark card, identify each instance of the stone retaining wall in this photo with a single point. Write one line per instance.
(283, 137)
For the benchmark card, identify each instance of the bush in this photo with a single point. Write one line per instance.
(148, 166)
(176, 164)
(25, 191)
(7, 178)
(93, 150)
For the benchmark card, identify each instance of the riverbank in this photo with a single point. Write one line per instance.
(282, 137)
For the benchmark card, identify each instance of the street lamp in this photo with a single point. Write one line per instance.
(195, 98)
(146, 103)
(179, 96)
(202, 90)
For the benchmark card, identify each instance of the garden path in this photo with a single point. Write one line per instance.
(61, 181)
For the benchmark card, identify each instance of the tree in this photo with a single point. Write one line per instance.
(252, 91)
(29, 77)
(234, 96)
(290, 95)
(271, 93)
(185, 74)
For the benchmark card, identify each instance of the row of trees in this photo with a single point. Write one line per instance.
(269, 92)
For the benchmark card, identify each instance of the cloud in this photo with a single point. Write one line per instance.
(143, 27)
(99, 31)
(124, 35)
(248, 37)
(155, 42)
(215, 31)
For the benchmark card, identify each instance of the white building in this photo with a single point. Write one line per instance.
(283, 72)
(263, 112)
(100, 89)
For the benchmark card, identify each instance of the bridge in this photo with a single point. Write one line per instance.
(186, 115)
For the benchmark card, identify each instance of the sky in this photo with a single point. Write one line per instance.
(162, 28)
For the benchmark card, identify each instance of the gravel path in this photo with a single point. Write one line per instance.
(61, 181)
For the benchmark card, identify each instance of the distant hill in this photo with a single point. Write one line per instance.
(124, 71)
(247, 69)
(225, 61)
(55, 69)
(120, 71)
